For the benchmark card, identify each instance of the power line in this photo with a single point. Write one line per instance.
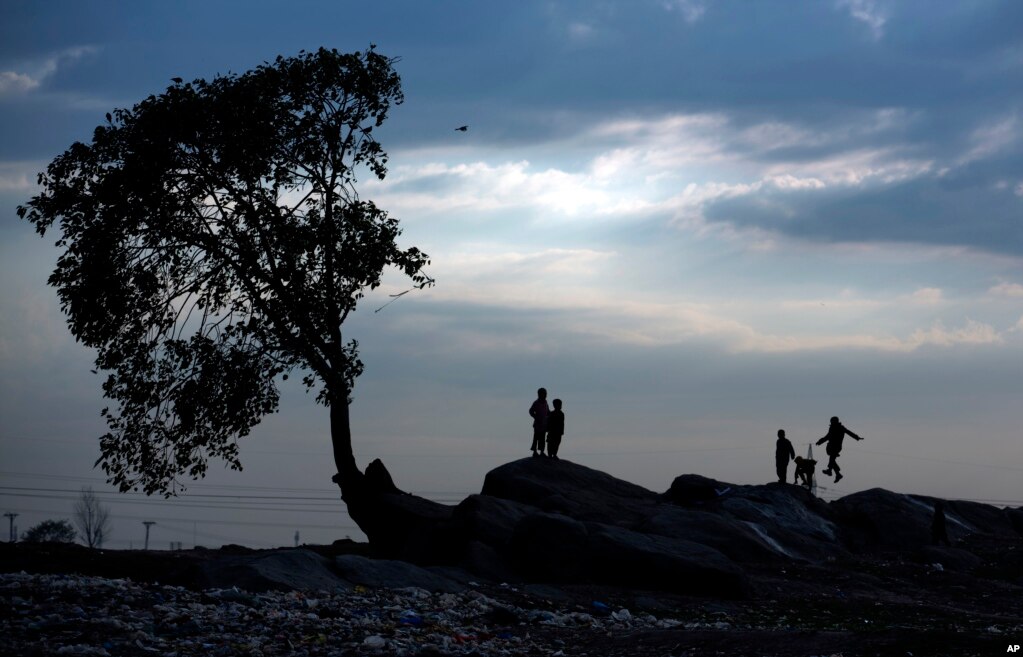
(218, 500)
(198, 485)
(240, 523)
(193, 495)
(324, 508)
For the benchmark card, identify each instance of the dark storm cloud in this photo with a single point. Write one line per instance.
(928, 83)
(980, 205)
(775, 58)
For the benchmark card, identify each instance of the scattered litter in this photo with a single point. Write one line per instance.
(374, 642)
(97, 617)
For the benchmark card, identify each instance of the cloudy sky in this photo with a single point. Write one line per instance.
(695, 221)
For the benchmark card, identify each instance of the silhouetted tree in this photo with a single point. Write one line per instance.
(92, 519)
(214, 241)
(55, 531)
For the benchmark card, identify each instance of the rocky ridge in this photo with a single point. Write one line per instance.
(553, 558)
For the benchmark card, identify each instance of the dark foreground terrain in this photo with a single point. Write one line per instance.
(557, 559)
(160, 603)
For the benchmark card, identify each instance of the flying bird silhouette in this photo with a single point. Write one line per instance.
(463, 128)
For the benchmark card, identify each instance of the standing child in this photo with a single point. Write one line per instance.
(555, 429)
(539, 411)
(783, 453)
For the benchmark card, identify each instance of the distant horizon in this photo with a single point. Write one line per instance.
(695, 222)
(220, 498)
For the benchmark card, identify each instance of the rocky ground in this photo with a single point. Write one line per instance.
(854, 606)
(553, 558)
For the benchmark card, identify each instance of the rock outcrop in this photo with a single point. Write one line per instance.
(557, 486)
(539, 519)
(558, 522)
(880, 519)
(543, 521)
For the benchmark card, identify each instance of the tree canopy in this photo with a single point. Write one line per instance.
(54, 531)
(213, 242)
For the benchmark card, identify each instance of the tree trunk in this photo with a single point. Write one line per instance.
(398, 525)
(348, 474)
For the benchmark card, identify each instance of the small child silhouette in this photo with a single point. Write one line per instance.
(555, 429)
(804, 469)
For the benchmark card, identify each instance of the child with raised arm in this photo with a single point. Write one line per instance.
(836, 432)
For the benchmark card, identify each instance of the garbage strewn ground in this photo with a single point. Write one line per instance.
(78, 601)
(82, 615)
(67, 614)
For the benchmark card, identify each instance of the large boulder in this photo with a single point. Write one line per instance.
(737, 540)
(629, 558)
(878, 518)
(696, 490)
(978, 518)
(553, 547)
(558, 486)
(489, 520)
(788, 518)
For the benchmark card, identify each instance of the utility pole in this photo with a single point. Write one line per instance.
(296, 538)
(148, 524)
(12, 516)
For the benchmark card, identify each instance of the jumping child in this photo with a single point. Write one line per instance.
(836, 432)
